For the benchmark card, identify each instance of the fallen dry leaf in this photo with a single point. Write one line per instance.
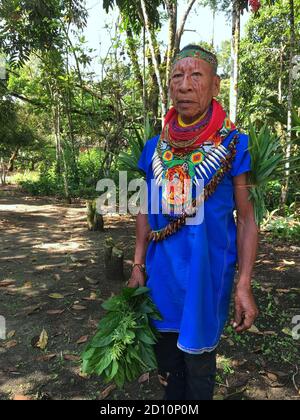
(107, 391)
(285, 262)
(93, 296)
(83, 375)
(5, 283)
(55, 311)
(43, 340)
(91, 281)
(11, 334)
(266, 289)
(46, 357)
(57, 277)
(272, 377)
(283, 290)
(82, 339)
(144, 378)
(19, 397)
(280, 268)
(287, 331)
(255, 330)
(271, 333)
(27, 285)
(79, 308)
(10, 344)
(72, 357)
(56, 296)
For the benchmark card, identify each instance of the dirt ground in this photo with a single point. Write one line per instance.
(52, 279)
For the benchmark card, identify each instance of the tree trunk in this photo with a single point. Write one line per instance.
(282, 48)
(113, 261)
(3, 171)
(61, 164)
(235, 43)
(132, 51)
(72, 138)
(154, 51)
(172, 12)
(146, 107)
(68, 107)
(56, 116)
(182, 25)
(213, 28)
(95, 220)
(65, 178)
(288, 149)
(153, 96)
(12, 160)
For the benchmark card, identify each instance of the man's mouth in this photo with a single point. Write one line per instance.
(185, 101)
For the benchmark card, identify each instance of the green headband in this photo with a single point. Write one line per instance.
(200, 54)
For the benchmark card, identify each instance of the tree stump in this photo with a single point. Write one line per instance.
(94, 220)
(113, 261)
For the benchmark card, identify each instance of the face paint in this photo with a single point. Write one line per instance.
(192, 88)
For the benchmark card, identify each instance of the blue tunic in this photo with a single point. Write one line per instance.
(191, 273)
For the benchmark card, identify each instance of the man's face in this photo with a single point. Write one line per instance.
(192, 88)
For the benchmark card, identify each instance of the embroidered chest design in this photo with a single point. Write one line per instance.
(182, 170)
(200, 163)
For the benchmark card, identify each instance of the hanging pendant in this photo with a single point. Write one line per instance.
(199, 169)
(196, 182)
(211, 157)
(221, 154)
(206, 166)
(211, 163)
(223, 148)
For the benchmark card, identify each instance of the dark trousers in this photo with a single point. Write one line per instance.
(184, 376)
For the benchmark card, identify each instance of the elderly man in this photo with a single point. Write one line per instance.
(188, 267)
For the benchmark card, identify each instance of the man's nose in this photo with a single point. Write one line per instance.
(186, 84)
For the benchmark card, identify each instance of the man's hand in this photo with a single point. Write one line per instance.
(137, 279)
(246, 310)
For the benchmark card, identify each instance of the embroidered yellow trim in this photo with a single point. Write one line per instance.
(183, 125)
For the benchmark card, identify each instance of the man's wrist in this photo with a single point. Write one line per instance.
(244, 284)
(141, 266)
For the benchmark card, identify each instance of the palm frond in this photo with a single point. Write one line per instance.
(129, 160)
(266, 156)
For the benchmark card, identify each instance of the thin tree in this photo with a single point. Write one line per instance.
(289, 102)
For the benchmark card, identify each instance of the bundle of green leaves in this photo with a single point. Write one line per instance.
(122, 348)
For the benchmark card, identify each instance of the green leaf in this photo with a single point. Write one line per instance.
(101, 341)
(104, 363)
(120, 377)
(141, 290)
(144, 337)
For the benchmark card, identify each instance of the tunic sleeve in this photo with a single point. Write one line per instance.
(242, 160)
(142, 162)
(145, 160)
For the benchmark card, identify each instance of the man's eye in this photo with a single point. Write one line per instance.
(176, 76)
(197, 74)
